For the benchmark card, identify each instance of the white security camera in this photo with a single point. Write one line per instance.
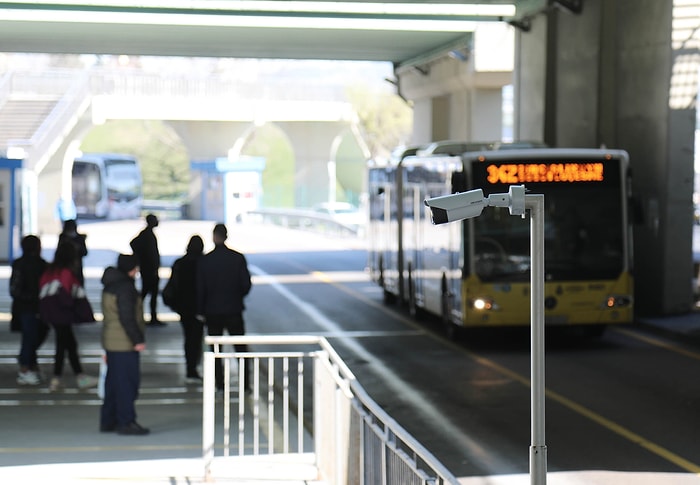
(455, 207)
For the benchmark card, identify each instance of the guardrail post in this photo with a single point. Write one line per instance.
(208, 416)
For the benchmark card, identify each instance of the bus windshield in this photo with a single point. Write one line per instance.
(123, 179)
(583, 234)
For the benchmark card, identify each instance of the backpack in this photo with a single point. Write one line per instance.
(169, 292)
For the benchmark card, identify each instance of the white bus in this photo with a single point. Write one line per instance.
(107, 185)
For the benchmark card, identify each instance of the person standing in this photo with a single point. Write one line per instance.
(223, 281)
(145, 248)
(63, 303)
(24, 290)
(70, 234)
(184, 278)
(123, 340)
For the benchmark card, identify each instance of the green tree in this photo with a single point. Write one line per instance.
(385, 120)
(161, 154)
(270, 142)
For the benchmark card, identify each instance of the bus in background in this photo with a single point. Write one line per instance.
(475, 273)
(107, 185)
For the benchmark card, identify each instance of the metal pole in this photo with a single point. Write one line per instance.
(208, 410)
(538, 449)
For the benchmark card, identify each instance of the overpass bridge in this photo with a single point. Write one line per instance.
(45, 115)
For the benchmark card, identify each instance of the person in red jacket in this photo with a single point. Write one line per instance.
(62, 303)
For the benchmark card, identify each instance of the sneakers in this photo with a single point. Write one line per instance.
(28, 378)
(193, 379)
(84, 381)
(55, 384)
(133, 428)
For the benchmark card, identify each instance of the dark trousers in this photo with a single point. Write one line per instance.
(149, 286)
(34, 333)
(192, 331)
(121, 389)
(233, 324)
(66, 343)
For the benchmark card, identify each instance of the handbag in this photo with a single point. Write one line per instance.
(169, 292)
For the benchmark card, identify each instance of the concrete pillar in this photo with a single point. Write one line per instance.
(457, 95)
(608, 76)
(313, 145)
(54, 179)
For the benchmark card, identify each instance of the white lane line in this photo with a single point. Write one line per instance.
(476, 452)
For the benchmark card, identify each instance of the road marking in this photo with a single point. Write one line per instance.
(659, 343)
(490, 459)
(568, 403)
(593, 416)
(625, 433)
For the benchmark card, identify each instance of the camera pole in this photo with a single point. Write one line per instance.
(538, 449)
(467, 205)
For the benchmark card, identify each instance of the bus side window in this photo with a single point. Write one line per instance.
(459, 182)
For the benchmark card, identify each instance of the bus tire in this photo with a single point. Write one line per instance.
(451, 329)
(412, 305)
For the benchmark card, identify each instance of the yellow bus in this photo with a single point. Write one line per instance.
(475, 273)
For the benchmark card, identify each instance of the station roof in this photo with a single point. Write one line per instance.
(397, 31)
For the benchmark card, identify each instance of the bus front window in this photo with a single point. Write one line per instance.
(580, 242)
(123, 181)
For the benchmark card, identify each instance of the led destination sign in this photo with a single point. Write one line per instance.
(520, 173)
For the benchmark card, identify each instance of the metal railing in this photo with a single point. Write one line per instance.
(304, 400)
(307, 219)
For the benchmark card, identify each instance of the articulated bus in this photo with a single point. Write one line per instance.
(107, 185)
(476, 273)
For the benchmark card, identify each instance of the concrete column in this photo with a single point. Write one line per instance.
(607, 76)
(54, 179)
(457, 96)
(313, 145)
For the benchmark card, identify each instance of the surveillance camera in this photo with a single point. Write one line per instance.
(455, 207)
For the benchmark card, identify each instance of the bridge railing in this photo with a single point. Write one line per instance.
(305, 402)
(308, 219)
(139, 83)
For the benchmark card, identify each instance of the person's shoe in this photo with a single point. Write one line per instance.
(104, 428)
(84, 381)
(133, 428)
(55, 384)
(154, 322)
(193, 379)
(28, 378)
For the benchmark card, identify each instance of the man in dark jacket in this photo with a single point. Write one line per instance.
(123, 339)
(223, 281)
(184, 278)
(145, 248)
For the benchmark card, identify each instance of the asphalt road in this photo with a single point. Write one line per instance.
(624, 406)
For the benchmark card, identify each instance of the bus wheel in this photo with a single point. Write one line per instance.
(389, 297)
(451, 330)
(412, 305)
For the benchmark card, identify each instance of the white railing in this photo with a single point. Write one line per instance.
(305, 402)
(307, 219)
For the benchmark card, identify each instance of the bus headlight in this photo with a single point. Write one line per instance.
(617, 301)
(483, 304)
